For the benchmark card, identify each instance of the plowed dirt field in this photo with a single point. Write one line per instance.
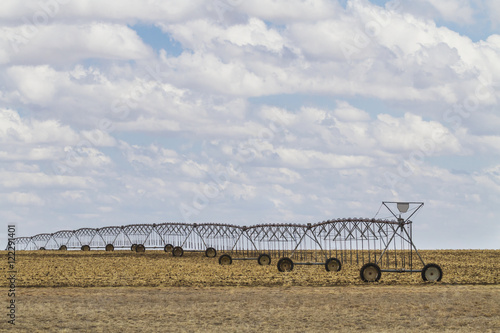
(122, 291)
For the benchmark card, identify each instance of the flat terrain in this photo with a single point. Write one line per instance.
(157, 268)
(121, 291)
(429, 308)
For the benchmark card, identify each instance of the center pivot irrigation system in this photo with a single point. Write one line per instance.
(378, 245)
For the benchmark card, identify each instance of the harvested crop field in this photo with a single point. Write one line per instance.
(159, 269)
(429, 308)
(97, 291)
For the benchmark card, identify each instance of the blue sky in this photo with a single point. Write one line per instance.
(157, 39)
(123, 113)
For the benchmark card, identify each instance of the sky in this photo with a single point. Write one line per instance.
(249, 112)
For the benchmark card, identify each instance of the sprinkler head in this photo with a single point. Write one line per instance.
(403, 207)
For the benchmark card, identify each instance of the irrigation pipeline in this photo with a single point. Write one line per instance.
(380, 245)
(339, 235)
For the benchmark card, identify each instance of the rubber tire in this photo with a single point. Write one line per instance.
(368, 266)
(428, 266)
(85, 248)
(285, 261)
(210, 252)
(42, 249)
(140, 248)
(224, 257)
(110, 247)
(63, 248)
(263, 258)
(178, 250)
(133, 247)
(336, 261)
(168, 248)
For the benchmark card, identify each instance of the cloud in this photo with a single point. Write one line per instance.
(202, 34)
(126, 11)
(252, 58)
(363, 104)
(493, 8)
(37, 85)
(348, 113)
(21, 180)
(98, 137)
(149, 125)
(348, 129)
(249, 58)
(152, 157)
(13, 129)
(457, 11)
(284, 11)
(314, 159)
(24, 199)
(412, 133)
(68, 43)
(45, 154)
(31, 154)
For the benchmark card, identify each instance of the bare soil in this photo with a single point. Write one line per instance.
(159, 269)
(430, 308)
(122, 291)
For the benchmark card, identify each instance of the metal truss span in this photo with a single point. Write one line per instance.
(380, 245)
(349, 240)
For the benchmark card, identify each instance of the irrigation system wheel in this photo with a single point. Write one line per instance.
(133, 247)
(264, 259)
(285, 265)
(370, 272)
(168, 248)
(110, 247)
(85, 248)
(225, 259)
(333, 265)
(63, 248)
(210, 252)
(177, 251)
(432, 273)
(140, 248)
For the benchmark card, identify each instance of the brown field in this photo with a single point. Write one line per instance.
(429, 308)
(158, 269)
(155, 292)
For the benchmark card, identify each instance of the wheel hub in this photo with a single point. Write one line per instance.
(432, 274)
(333, 266)
(370, 273)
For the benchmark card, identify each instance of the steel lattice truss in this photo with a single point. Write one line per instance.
(380, 245)
(387, 242)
